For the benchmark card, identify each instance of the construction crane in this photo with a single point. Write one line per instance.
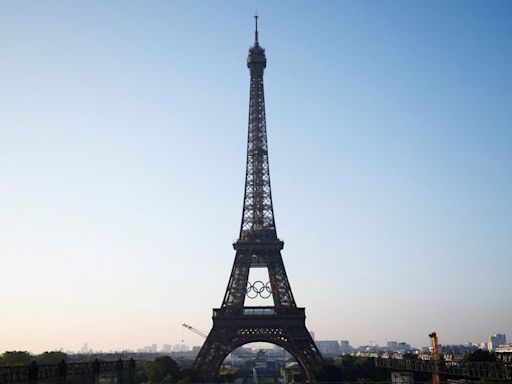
(195, 330)
(204, 335)
(434, 341)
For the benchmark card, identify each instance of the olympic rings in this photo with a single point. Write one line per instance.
(258, 288)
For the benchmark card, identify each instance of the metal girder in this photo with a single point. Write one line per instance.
(474, 369)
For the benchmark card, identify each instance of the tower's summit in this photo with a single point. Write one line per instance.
(256, 58)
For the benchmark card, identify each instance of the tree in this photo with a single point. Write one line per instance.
(227, 375)
(11, 358)
(329, 373)
(162, 369)
(354, 368)
(481, 355)
(53, 357)
(189, 375)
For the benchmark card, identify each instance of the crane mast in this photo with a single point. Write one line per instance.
(434, 341)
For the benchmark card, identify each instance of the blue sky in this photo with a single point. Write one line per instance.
(122, 155)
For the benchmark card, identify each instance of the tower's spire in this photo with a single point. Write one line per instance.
(256, 30)
(258, 213)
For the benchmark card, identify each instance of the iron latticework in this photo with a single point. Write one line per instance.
(258, 213)
(258, 246)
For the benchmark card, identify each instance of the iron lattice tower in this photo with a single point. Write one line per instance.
(258, 246)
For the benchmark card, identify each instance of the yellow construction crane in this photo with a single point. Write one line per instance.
(434, 341)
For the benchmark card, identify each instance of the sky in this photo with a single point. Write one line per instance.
(122, 156)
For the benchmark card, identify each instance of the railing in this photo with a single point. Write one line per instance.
(259, 311)
(255, 311)
(33, 373)
(494, 371)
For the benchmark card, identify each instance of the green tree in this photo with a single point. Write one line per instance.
(53, 357)
(329, 373)
(355, 368)
(189, 375)
(481, 355)
(11, 358)
(227, 375)
(162, 369)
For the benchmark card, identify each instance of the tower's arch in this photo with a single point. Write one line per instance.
(286, 332)
(297, 354)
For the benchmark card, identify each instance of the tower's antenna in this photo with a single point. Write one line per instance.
(256, 30)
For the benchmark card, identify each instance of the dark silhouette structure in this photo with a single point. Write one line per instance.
(59, 373)
(258, 246)
(470, 369)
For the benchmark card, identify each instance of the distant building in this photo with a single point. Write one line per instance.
(392, 345)
(329, 347)
(496, 340)
(403, 346)
(345, 346)
(167, 348)
(504, 348)
(180, 348)
(196, 348)
(85, 349)
(457, 350)
(504, 353)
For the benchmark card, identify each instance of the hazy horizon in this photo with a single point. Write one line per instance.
(122, 153)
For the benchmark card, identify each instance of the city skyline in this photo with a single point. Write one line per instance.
(344, 346)
(122, 150)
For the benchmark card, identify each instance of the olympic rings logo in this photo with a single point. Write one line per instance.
(258, 288)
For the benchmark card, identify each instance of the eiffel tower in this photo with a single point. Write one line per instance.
(258, 246)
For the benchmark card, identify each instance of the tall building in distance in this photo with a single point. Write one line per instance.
(329, 347)
(392, 345)
(403, 346)
(345, 346)
(496, 340)
(85, 349)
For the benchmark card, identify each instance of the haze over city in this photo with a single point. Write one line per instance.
(123, 133)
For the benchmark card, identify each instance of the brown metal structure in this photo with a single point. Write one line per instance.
(435, 355)
(258, 246)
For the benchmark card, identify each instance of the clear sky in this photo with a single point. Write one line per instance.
(122, 157)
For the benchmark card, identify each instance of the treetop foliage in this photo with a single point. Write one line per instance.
(16, 358)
